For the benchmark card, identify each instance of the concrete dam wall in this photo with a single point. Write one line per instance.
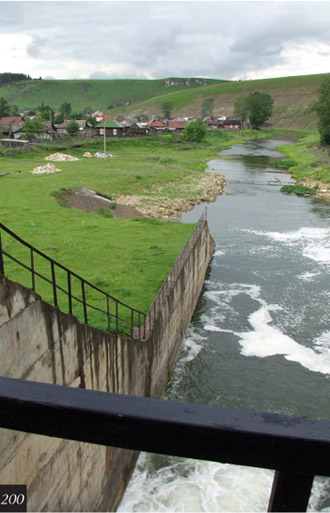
(40, 343)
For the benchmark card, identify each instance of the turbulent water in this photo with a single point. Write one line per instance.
(259, 338)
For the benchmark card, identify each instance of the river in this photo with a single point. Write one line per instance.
(260, 335)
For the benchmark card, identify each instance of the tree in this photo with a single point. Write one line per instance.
(14, 111)
(257, 108)
(66, 109)
(72, 128)
(207, 107)
(4, 107)
(59, 119)
(91, 120)
(46, 112)
(167, 109)
(322, 108)
(195, 130)
(32, 127)
(241, 108)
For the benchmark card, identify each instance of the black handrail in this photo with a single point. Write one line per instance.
(129, 325)
(296, 448)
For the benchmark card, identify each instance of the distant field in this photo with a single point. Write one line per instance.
(98, 94)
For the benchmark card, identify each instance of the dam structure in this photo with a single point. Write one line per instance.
(41, 343)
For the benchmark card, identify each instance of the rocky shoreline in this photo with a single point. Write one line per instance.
(169, 201)
(322, 189)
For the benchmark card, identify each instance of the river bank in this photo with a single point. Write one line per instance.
(308, 165)
(169, 201)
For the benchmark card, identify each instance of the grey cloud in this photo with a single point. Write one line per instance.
(35, 48)
(214, 39)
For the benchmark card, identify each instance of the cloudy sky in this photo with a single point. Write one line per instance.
(158, 39)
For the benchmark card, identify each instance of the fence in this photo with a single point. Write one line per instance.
(296, 448)
(115, 316)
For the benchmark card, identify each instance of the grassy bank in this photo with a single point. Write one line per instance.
(129, 258)
(304, 159)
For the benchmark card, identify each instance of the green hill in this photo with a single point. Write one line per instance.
(292, 97)
(98, 94)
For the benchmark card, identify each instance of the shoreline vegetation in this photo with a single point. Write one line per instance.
(309, 166)
(127, 255)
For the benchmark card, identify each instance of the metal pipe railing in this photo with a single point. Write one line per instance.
(296, 448)
(125, 316)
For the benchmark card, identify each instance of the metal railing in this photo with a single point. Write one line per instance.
(296, 448)
(114, 317)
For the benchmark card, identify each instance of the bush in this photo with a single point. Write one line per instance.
(195, 130)
(283, 163)
(72, 128)
(299, 190)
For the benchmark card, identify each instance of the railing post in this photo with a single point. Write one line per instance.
(108, 314)
(2, 267)
(290, 491)
(84, 300)
(32, 270)
(69, 292)
(117, 327)
(54, 282)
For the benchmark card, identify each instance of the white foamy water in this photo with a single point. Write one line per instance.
(196, 486)
(218, 252)
(308, 276)
(314, 243)
(263, 339)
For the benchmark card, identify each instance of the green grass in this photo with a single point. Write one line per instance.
(307, 166)
(129, 259)
(98, 94)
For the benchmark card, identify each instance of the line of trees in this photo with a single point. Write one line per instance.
(8, 78)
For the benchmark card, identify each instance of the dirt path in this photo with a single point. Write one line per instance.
(18, 161)
(319, 155)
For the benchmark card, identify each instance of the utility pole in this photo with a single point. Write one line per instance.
(105, 142)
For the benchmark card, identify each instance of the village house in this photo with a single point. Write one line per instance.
(230, 124)
(178, 126)
(157, 126)
(48, 132)
(84, 129)
(18, 144)
(12, 126)
(112, 128)
(138, 129)
(212, 123)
